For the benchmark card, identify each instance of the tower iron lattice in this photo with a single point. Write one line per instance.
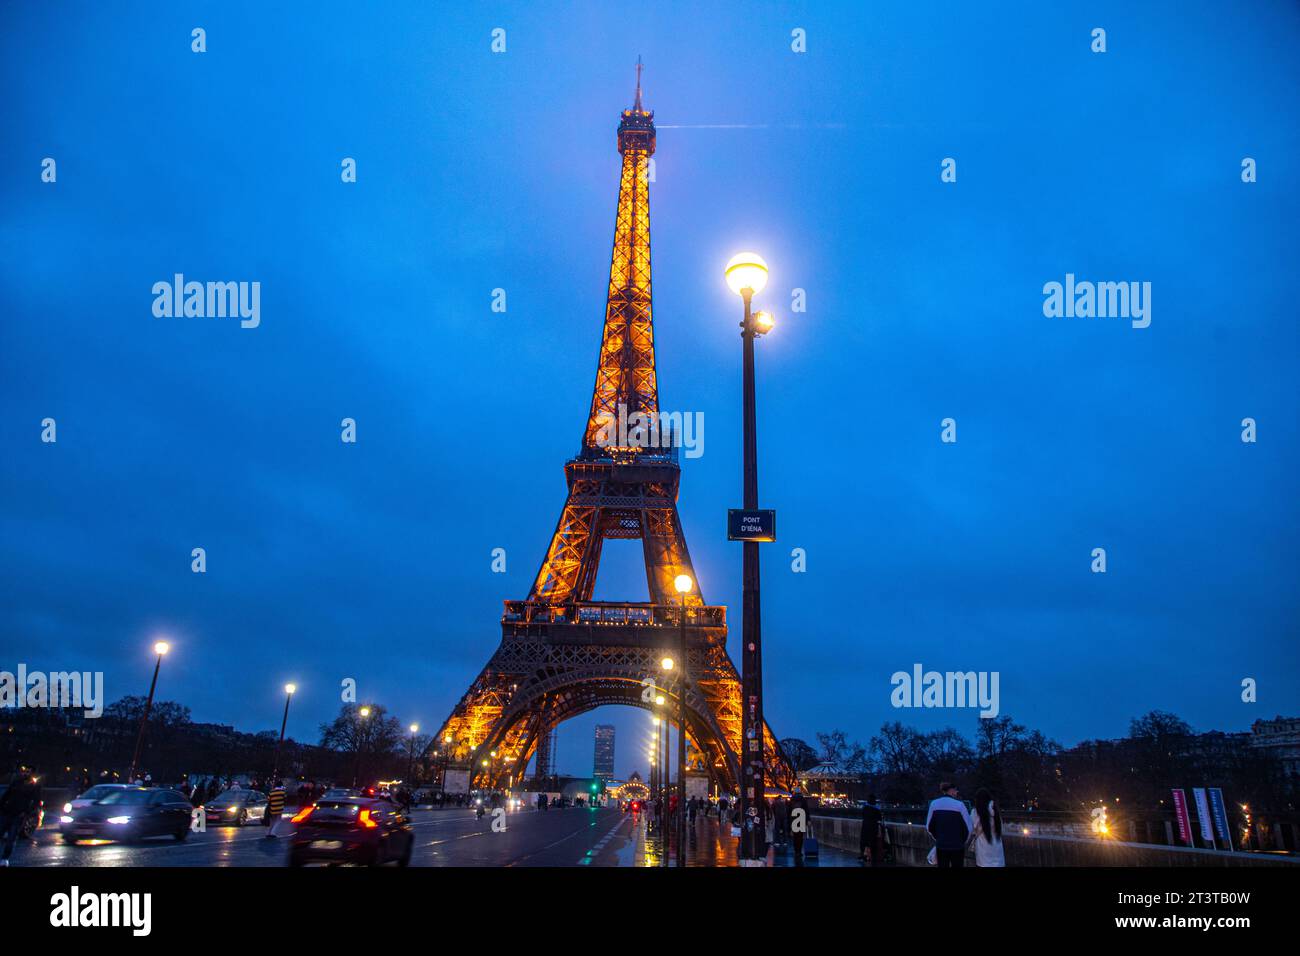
(563, 654)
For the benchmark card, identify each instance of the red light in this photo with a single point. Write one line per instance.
(302, 815)
(366, 822)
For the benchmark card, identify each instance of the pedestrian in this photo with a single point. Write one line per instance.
(20, 799)
(780, 820)
(872, 839)
(274, 808)
(949, 824)
(987, 832)
(800, 821)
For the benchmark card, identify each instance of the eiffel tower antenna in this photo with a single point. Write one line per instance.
(637, 105)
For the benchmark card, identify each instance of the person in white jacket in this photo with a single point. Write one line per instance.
(986, 833)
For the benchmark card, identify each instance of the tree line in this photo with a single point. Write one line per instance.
(68, 749)
(1029, 771)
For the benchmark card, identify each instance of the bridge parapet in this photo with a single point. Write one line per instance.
(912, 842)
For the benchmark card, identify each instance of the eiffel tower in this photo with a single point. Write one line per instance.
(563, 654)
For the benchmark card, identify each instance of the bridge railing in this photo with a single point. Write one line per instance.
(607, 613)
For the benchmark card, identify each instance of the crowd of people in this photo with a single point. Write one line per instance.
(954, 828)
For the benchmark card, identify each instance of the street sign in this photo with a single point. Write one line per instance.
(756, 525)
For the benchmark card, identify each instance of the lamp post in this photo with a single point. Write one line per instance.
(661, 758)
(489, 764)
(410, 764)
(446, 761)
(288, 696)
(160, 648)
(362, 714)
(683, 583)
(746, 275)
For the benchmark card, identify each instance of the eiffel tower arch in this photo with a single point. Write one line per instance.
(563, 654)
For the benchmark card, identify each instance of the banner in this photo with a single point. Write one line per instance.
(1180, 814)
(1220, 810)
(1203, 815)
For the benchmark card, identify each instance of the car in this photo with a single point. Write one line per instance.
(130, 813)
(634, 806)
(235, 808)
(96, 793)
(34, 818)
(340, 793)
(366, 831)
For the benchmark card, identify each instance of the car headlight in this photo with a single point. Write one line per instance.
(67, 808)
(65, 819)
(119, 820)
(231, 809)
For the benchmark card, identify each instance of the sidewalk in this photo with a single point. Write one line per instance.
(710, 844)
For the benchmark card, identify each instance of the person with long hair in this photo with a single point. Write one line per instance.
(987, 834)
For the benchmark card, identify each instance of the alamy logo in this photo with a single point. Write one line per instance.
(923, 688)
(57, 689)
(74, 908)
(1098, 300)
(210, 300)
(652, 430)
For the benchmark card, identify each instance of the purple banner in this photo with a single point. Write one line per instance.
(1180, 812)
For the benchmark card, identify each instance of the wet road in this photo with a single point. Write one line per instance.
(567, 837)
(573, 836)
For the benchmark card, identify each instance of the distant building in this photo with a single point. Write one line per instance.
(604, 765)
(1279, 736)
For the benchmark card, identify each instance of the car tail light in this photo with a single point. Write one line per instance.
(366, 822)
(301, 815)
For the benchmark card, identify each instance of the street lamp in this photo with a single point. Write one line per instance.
(446, 761)
(683, 584)
(746, 275)
(160, 648)
(362, 714)
(288, 696)
(661, 760)
(410, 764)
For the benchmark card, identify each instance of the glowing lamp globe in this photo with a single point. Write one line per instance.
(746, 270)
(683, 583)
(290, 688)
(161, 648)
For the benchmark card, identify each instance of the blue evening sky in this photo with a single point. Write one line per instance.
(479, 170)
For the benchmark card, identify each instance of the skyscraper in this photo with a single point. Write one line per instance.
(604, 769)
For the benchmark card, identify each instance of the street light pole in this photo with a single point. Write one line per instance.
(288, 696)
(160, 648)
(362, 714)
(662, 746)
(746, 275)
(683, 583)
(410, 764)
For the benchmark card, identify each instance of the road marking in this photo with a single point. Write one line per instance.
(600, 845)
(565, 839)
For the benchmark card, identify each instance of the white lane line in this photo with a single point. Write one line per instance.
(565, 839)
(602, 842)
